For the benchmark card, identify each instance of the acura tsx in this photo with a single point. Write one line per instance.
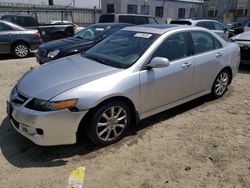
(132, 74)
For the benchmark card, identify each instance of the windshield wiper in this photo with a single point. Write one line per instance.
(79, 37)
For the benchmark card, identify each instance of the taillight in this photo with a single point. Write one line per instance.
(37, 34)
(238, 53)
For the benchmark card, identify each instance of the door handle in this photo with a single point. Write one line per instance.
(186, 65)
(219, 54)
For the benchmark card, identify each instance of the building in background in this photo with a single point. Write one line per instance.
(229, 10)
(73, 3)
(45, 11)
(163, 10)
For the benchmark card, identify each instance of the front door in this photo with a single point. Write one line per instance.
(162, 86)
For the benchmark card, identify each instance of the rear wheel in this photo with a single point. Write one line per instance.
(220, 84)
(109, 123)
(20, 50)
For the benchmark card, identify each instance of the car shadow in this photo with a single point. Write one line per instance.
(9, 56)
(244, 68)
(22, 153)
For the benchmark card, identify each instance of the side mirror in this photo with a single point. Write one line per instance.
(158, 62)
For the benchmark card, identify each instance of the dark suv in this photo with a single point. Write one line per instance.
(136, 19)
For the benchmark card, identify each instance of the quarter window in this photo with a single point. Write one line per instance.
(204, 42)
(174, 47)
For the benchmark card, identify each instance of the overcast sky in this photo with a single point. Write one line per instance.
(78, 3)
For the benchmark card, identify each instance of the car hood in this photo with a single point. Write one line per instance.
(49, 80)
(62, 43)
(243, 36)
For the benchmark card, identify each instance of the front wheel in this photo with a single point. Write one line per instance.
(109, 123)
(220, 84)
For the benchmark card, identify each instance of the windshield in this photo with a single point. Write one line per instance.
(91, 33)
(122, 49)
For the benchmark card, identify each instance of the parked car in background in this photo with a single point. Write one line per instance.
(135, 19)
(60, 22)
(247, 26)
(213, 25)
(234, 28)
(243, 41)
(133, 74)
(81, 41)
(48, 32)
(17, 40)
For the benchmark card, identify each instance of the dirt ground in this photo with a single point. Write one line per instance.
(202, 143)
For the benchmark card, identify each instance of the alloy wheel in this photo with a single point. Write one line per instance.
(221, 83)
(21, 50)
(112, 123)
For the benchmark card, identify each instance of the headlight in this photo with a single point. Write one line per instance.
(43, 105)
(53, 53)
(232, 39)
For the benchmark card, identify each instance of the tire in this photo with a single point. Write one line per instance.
(221, 84)
(103, 129)
(20, 50)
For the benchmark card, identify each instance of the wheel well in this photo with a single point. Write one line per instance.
(19, 42)
(86, 118)
(230, 73)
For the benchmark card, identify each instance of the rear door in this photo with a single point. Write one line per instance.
(207, 59)
(5, 38)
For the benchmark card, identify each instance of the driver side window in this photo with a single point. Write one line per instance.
(174, 47)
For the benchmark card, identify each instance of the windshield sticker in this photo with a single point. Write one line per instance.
(99, 29)
(143, 35)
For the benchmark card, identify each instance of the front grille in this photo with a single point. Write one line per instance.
(41, 52)
(18, 98)
(245, 54)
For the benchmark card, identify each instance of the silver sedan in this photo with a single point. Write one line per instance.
(132, 74)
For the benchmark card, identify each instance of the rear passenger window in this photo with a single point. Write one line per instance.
(4, 27)
(174, 47)
(139, 20)
(218, 26)
(204, 42)
(127, 19)
(217, 44)
(207, 25)
(152, 20)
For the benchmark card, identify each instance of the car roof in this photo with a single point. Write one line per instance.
(155, 28)
(196, 20)
(112, 24)
(13, 25)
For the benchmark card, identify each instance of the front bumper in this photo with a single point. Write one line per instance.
(244, 51)
(45, 128)
(43, 60)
